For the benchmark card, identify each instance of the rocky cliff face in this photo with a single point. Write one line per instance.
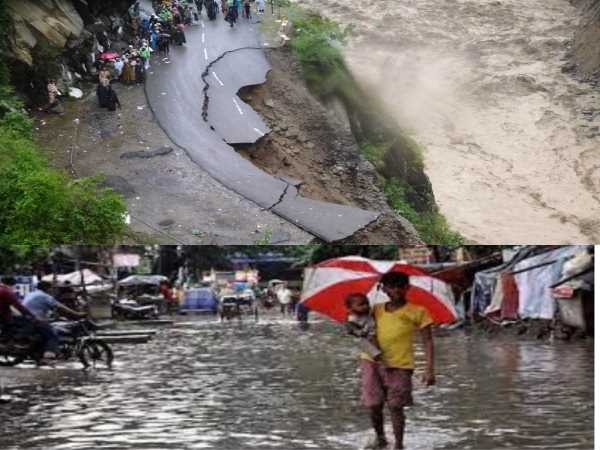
(56, 22)
(59, 23)
(586, 44)
(55, 38)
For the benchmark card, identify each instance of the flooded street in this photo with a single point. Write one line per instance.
(204, 384)
(511, 141)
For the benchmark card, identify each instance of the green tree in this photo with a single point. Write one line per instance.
(22, 258)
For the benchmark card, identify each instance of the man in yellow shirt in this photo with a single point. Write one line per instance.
(389, 380)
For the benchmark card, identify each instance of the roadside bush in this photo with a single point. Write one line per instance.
(8, 101)
(17, 123)
(431, 225)
(41, 205)
(375, 153)
(316, 45)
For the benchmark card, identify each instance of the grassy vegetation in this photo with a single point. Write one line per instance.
(431, 225)
(316, 45)
(375, 153)
(41, 205)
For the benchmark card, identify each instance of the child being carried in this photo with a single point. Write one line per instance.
(360, 323)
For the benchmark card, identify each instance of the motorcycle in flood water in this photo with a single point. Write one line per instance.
(77, 339)
(130, 310)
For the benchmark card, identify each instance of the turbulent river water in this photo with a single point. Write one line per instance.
(512, 142)
(204, 384)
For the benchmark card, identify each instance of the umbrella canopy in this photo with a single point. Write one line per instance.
(326, 285)
(109, 55)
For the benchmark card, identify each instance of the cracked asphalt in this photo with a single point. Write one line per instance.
(230, 117)
(177, 94)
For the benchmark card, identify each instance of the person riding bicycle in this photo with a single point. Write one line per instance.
(40, 303)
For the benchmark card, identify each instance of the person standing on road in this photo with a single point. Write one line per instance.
(232, 12)
(238, 8)
(145, 53)
(180, 34)
(154, 39)
(164, 43)
(112, 100)
(52, 92)
(169, 296)
(284, 297)
(199, 4)
(140, 70)
(390, 381)
(119, 67)
(104, 77)
(128, 76)
(102, 90)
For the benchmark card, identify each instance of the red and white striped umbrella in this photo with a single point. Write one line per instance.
(327, 284)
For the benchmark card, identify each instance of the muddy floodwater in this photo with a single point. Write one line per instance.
(269, 384)
(512, 143)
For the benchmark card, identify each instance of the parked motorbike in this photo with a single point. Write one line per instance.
(130, 310)
(76, 339)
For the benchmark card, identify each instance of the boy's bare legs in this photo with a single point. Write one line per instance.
(398, 421)
(377, 422)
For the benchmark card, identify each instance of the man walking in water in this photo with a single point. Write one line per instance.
(389, 380)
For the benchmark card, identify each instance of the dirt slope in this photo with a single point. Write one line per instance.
(315, 145)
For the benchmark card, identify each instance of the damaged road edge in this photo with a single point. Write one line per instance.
(206, 72)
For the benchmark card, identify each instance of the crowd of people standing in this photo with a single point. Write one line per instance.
(155, 33)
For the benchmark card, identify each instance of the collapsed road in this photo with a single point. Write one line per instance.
(193, 96)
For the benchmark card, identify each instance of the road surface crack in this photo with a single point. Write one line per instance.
(206, 72)
(281, 197)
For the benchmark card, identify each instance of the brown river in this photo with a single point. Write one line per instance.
(512, 143)
(207, 385)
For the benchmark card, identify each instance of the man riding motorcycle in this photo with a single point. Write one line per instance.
(40, 303)
(9, 300)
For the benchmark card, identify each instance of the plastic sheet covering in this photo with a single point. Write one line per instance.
(497, 298)
(535, 297)
(510, 303)
(483, 289)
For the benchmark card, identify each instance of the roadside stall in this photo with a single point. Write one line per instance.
(83, 289)
(199, 300)
(574, 293)
(545, 289)
(144, 290)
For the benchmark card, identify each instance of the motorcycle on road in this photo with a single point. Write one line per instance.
(77, 339)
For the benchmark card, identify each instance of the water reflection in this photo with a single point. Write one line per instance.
(245, 385)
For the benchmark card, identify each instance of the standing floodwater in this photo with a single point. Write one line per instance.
(270, 385)
(512, 142)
